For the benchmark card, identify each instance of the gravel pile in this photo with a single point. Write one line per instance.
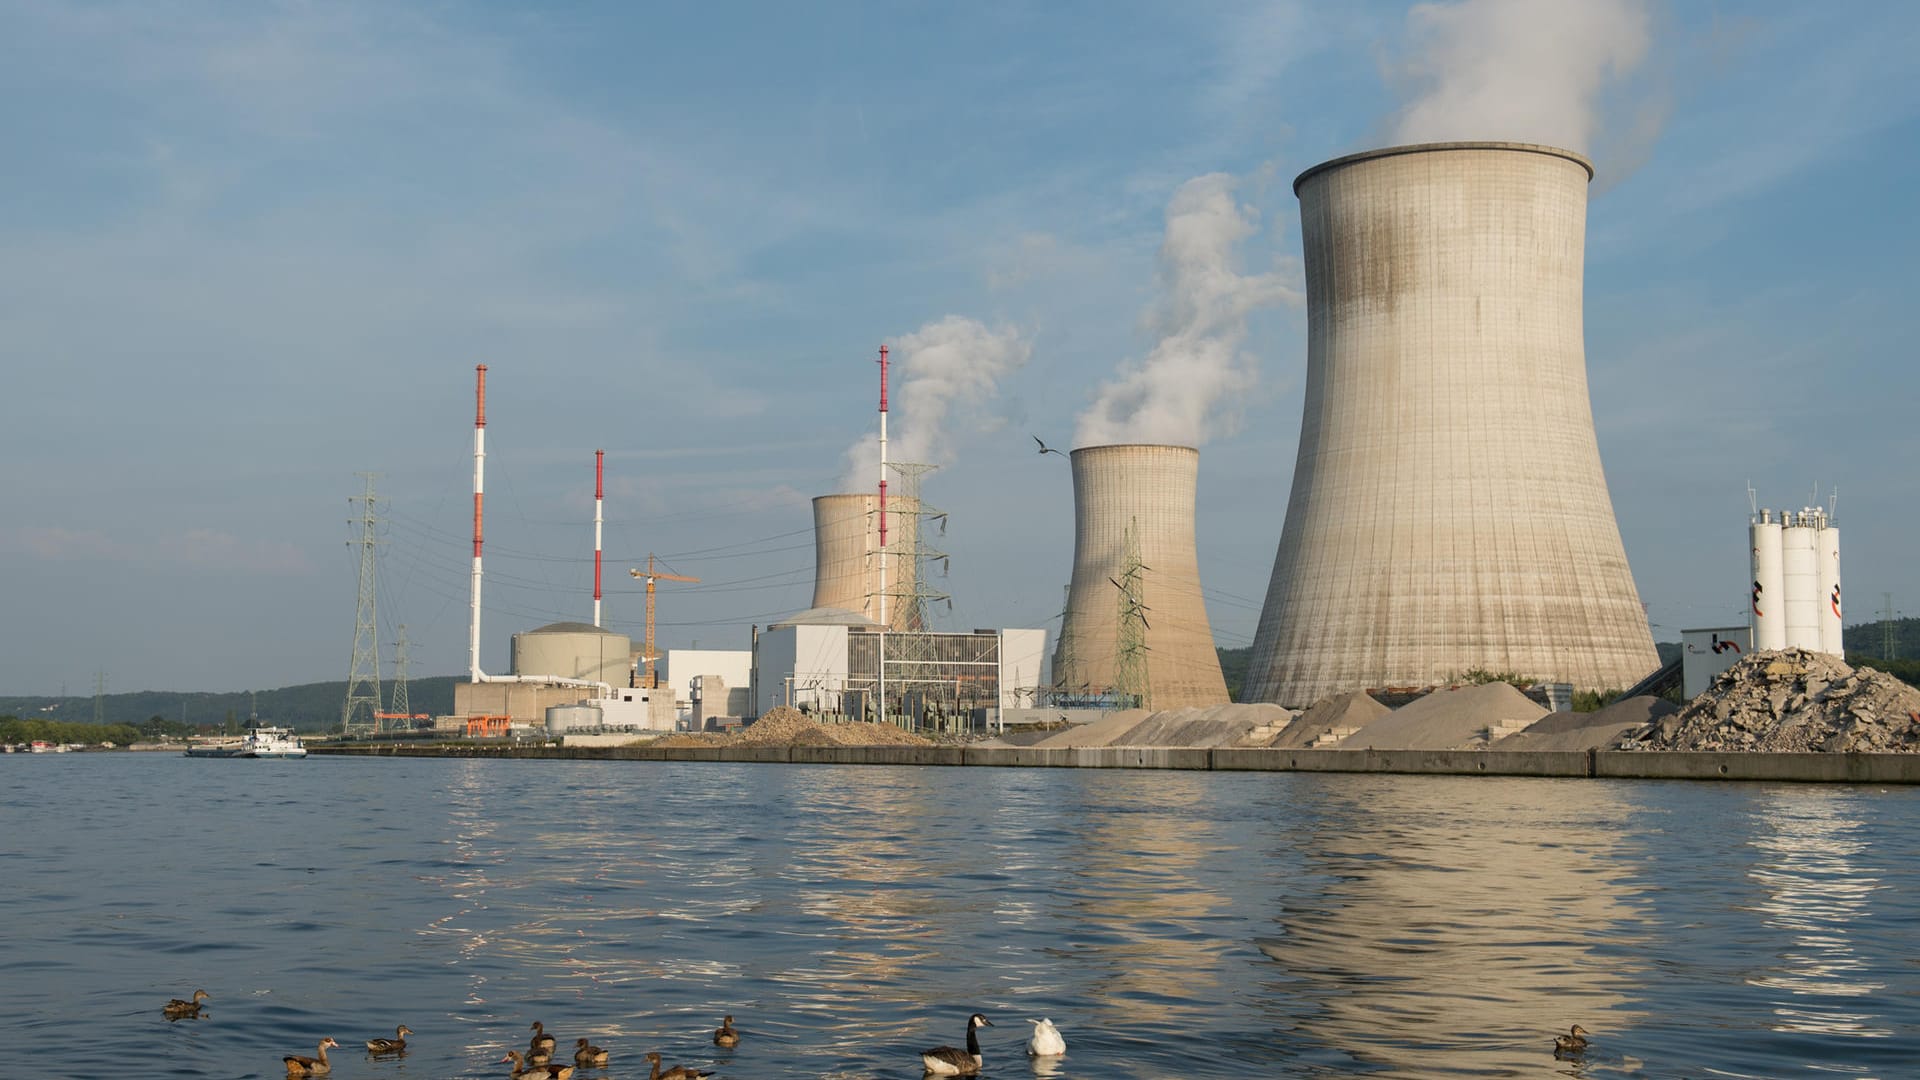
(1451, 718)
(783, 726)
(1794, 701)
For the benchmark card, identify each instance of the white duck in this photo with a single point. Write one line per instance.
(1046, 1041)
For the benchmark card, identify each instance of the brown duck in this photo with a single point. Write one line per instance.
(541, 1049)
(678, 1072)
(585, 1053)
(523, 1070)
(183, 1008)
(298, 1065)
(395, 1045)
(726, 1037)
(1573, 1042)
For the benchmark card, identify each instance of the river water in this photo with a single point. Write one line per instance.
(1172, 924)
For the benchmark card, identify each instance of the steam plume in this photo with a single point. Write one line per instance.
(941, 373)
(1177, 394)
(1516, 70)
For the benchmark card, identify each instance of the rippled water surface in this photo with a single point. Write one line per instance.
(1172, 924)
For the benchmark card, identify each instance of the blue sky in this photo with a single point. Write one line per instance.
(250, 250)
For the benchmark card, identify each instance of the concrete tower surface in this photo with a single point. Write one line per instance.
(1133, 528)
(1449, 511)
(846, 547)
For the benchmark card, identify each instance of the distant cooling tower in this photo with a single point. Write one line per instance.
(1135, 621)
(846, 544)
(1449, 511)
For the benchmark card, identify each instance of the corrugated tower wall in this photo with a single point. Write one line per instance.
(1150, 489)
(1449, 511)
(846, 547)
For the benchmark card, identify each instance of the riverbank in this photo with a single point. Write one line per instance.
(1594, 764)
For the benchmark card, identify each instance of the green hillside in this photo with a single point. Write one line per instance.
(312, 707)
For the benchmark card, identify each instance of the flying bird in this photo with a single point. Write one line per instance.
(1045, 449)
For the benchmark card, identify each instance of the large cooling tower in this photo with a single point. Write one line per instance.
(1448, 511)
(846, 545)
(1135, 622)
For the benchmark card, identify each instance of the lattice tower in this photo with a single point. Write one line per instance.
(1130, 680)
(363, 674)
(911, 675)
(398, 701)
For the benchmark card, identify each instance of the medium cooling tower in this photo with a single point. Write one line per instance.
(1448, 511)
(1133, 528)
(846, 566)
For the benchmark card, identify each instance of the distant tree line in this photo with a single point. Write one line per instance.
(15, 730)
(310, 707)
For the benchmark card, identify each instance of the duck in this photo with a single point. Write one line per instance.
(726, 1037)
(184, 1008)
(1046, 1041)
(678, 1072)
(541, 1049)
(585, 1053)
(948, 1061)
(299, 1065)
(395, 1045)
(1573, 1042)
(526, 1070)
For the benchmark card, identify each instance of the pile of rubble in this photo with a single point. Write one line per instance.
(1793, 701)
(783, 726)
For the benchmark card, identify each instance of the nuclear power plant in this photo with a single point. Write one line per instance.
(1448, 511)
(1135, 627)
(853, 570)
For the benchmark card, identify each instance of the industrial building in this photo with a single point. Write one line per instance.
(1449, 511)
(709, 685)
(1135, 630)
(839, 664)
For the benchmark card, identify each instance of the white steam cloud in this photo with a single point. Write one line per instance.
(1516, 70)
(1182, 391)
(940, 375)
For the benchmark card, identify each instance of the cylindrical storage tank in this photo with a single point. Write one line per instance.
(846, 560)
(1802, 584)
(572, 650)
(1133, 516)
(1769, 585)
(1826, 554)
(1449, 511)
(564, 718)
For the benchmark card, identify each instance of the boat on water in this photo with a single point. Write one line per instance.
(260, 742)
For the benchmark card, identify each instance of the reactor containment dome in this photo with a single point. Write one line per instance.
(1449, 511)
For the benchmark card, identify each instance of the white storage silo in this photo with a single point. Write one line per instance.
(1826, 553)
(1769, 585)
(1802, 581)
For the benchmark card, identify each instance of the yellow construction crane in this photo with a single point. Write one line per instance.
(651, 575)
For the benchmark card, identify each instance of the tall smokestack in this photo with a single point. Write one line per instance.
(599, 496)
(883, 485)
(847, 567)
(1133, 548)
(1449, 511)
(479, 494)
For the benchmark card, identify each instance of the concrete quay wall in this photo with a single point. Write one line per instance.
(1617, 765)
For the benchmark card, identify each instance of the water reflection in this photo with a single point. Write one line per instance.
(1816, 889)
(1440, 912)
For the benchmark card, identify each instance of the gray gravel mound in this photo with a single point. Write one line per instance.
(1794, 701)
(1456, 718)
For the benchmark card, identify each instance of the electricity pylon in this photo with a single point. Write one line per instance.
(1130, 665)
(365, 668)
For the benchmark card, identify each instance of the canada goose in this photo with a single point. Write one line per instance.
(536, 1070)
(1573, 1042)
(298, 1065)
(1046, 1041)
(395, 1045)
(947, 1061)
(585, 1053)
(541, 1049)
(179, 1009)
(726, 1037)
(678, 1072)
